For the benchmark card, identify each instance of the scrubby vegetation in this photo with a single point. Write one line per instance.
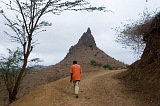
(105, 66)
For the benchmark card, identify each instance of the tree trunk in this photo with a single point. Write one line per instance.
(12, 96)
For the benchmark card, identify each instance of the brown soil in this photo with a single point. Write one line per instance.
(98, 88)
(147, 90)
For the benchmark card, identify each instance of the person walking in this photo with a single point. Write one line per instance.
(75, 71)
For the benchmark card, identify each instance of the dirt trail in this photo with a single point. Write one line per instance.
(96, 89)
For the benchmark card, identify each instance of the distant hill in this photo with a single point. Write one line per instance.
(37, 67)
(86, 51)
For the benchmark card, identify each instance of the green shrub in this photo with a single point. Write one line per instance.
(106, 66)
(99, 65)
(94, 63)
(109, 67)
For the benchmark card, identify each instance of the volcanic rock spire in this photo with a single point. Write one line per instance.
(86, 51)
(87, 39)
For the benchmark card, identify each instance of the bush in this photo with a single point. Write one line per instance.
(109, 67)
(99, 65)
(94, 63)
(106, 66)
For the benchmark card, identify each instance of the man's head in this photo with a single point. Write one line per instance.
(74, 62)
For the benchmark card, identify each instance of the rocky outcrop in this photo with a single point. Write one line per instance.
(87, 39)
(143, 76)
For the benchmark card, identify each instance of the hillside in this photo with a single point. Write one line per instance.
(143, 75)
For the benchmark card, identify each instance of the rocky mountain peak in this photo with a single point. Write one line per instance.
(88, 30)
(87, 39)
(85, 51)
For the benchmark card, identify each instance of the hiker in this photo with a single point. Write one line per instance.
(75, 72)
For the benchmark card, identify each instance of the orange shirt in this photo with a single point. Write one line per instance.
(76, 70)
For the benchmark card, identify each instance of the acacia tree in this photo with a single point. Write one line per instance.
(27, 23)
(11, 65)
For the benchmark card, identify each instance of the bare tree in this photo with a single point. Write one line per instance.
(27, 23)
(132, 33)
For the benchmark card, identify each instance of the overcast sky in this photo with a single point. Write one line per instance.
(68, 27)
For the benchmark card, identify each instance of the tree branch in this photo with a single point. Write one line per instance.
(24, 20)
